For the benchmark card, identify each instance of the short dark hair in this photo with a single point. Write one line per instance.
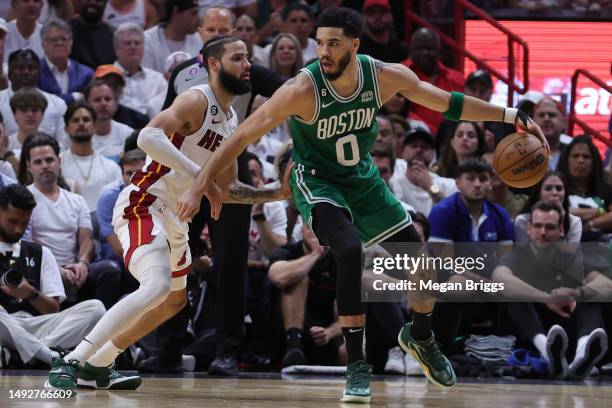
(215, 47)
(73, 107)
(94, 84)
(347, 19)
(295, 6)
(18, 196)
(382, 151)
(132, 156)
(28, 98)
(251, 156)
(131, 142)
(473, 165)
(546, 206)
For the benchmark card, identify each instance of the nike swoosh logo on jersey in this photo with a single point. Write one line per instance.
(216, 123)
(325, 105)
(354, 330)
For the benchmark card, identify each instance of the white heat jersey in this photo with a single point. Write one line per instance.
(167, 184)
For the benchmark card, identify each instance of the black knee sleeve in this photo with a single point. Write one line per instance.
(333, 228)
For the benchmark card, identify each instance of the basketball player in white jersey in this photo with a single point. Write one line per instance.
(140, 12)
(178, 142)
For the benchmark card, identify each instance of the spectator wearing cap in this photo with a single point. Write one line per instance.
(418, 186)
(24, 31)
(109, 136)
(3, 65)
(139, 12)
(379, 39)
(93, 38)
(549, 114)
(141, 84)
(60, 75)
(177, 31)
(425, 62)
(24, 71)
(114, 77)
(174, 60)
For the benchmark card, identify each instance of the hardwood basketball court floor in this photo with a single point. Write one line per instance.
(275, 390)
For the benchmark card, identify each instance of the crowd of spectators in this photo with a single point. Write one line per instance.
(80, 78)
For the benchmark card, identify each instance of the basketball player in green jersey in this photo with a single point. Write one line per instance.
(332, 105)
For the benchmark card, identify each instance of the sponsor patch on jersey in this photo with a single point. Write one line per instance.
(367, 96)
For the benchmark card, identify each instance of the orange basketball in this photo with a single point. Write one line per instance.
(520, 160)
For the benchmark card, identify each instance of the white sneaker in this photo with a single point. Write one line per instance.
(412, 366)
(395, 362)
(556, 347)
(189, 362)
(589, 351)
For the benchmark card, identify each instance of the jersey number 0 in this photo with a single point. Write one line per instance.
(351, 140)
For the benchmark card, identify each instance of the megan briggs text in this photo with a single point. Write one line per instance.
(429, 285)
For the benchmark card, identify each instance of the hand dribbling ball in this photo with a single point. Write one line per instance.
(520, 160)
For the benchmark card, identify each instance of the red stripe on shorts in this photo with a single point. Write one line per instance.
(182, 272)
(140, 222)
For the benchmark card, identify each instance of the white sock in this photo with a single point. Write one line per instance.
(539, 341)
(155, 285)
(44, 354)
(105, 356)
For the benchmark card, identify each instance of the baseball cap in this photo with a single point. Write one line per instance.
(179, 5)
(376, 3)
(108, 69)
(3, 25)
(482, 76)
(419, 133)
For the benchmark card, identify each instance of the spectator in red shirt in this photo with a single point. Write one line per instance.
(425, 62)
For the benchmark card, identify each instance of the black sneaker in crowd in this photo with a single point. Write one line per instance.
(154, 365)
(224, 366)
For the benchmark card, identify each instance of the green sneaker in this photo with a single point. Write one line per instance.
(357, 383)
(105, 378)
(435, 366)
(63, 374)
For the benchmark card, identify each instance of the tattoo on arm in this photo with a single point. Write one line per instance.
(245, 194)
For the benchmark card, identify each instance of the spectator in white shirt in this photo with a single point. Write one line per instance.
(81, 162)
(141, 84)
(24, 31)
(28, 107)
(175, 59)
(269, 145)
(109, 137)
(418, 186)
(24, 71)
(61, 221)
(177, 31)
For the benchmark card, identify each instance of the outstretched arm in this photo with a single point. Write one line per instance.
(288, 100)
(397, 78)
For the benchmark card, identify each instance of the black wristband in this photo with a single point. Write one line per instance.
(259, 217)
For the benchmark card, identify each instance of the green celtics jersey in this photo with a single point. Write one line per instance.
(338, 139)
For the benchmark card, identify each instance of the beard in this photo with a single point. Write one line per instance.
(81, 137)
(8, 238)
(233, 84)
(344, 61)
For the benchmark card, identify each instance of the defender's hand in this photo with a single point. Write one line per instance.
(524, 122)
(188, 205)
